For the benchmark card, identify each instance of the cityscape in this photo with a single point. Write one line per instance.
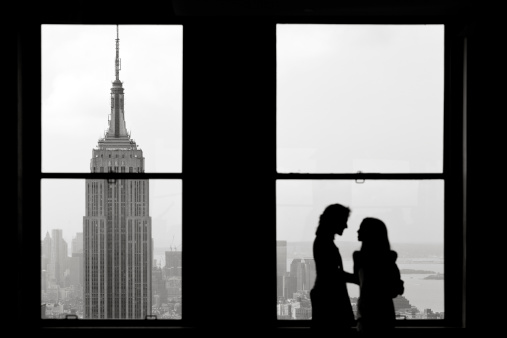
(295, 278)
(62, 282)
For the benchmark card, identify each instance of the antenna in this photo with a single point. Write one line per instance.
(117, 61)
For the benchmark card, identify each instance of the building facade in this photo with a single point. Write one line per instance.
(304, 272)
(58, 260)
(281, 258)
(77, 243)
(117, 225)
(173, 263)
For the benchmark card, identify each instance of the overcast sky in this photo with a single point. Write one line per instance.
(361, 98)
(78, 67)
(349, 98)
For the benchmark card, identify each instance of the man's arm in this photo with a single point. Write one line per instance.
(350, 278)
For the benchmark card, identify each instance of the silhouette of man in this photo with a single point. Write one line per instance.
(331, 308)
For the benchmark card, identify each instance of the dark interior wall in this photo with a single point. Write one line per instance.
(486, 191)
(222, 35)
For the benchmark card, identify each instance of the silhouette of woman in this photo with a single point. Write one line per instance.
(331, 307)
(379, 279)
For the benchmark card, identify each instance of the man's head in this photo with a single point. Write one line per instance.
(333, 220)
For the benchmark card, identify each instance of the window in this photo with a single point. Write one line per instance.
(362, 99)
(100, 214)
(229, 193)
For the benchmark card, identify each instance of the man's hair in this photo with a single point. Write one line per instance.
(331, 213)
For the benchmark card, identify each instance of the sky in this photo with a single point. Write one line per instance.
(349, 98)
(78, 67)
(363, 98)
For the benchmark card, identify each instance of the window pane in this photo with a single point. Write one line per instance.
(360, 98)
(111, 249)
(413, 212)
(79, 65)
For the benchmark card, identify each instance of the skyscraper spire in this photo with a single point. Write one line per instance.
(117, 61)
(117, 131)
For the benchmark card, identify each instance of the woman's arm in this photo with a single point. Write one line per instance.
(353, 277)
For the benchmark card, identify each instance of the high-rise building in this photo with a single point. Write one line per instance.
(77, 243)
(46, 248)
(289, 287)
(45, 257)
(281, 258)
(59, 255)
(76, 269)
(310, 273)
(117, 226)
(159, 286)
(297, 270)
(304, 272)
(173, 263)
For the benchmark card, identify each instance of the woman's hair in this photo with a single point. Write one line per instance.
(374, 235)
(330, 215)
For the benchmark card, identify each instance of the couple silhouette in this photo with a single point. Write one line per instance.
(375, 271)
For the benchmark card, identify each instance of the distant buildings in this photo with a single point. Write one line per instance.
(304, 272)
(58, 258)
(294, 286)
(76, 269)
(300, 277)
(281, 258)
(281, 268)
(159, 292)
(173, 263)
(77, 243)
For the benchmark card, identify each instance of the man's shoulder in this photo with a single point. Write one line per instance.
(323, 244)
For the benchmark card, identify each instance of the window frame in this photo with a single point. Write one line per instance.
(452, 173)
(71, 321)
(29, 162)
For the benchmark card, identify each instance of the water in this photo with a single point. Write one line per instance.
(421, 293)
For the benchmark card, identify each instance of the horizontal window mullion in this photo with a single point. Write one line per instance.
(370, 176)
(130, 176)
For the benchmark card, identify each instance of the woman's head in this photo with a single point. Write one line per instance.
(373, 233)
(333, 220)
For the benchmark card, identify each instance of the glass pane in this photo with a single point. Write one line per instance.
(360, 98)
(94, 90)
(413, 212)
(111, 249)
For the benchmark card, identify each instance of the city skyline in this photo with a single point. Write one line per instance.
(62, 280)
(421, 270)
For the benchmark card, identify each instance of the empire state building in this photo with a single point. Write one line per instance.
(117, 225)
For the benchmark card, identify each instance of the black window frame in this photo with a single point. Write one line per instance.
(451, 175)
(261, 30)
